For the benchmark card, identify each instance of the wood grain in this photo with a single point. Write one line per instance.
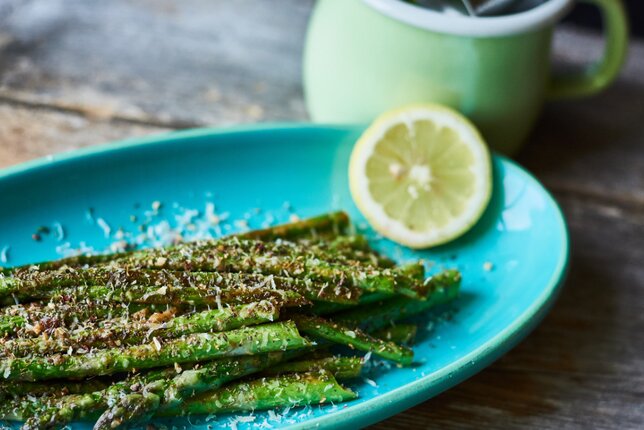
(27, 133)
(75, 73)
(188, 62)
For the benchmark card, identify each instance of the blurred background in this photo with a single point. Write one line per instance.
(587, 16)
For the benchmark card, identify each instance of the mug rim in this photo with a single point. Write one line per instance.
(460, 25)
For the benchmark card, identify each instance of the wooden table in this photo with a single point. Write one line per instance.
(75, 73)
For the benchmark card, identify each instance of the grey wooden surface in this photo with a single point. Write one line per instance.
(75, 73)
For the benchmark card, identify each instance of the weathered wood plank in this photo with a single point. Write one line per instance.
(593, 147)
(526, 401)
(27, 133)
(194, 61)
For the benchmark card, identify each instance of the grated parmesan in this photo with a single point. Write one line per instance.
(60, 231)
(371, 382)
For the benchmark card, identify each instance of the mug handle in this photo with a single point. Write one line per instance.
(597, 76)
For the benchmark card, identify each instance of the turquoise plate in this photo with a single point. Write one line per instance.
(513, 261)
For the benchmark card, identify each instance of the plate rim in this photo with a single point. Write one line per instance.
(412, 393)
(164, 137)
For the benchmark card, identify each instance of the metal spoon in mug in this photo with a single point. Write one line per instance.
(477, 7)
(487, 7)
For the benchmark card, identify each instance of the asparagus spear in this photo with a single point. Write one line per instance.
(37, 284)
(276, 258)
(444, 288)
(40, 414)
(177, 297)
(296, 389)
(349, 250)
(167, 393)
(135, 394)
(50, 389)
(323, 226)
(402, 334)
(340, 367)
(352, 249)
(135, 400)
(327, 225)
(409, 281)
(130, 333)
(354, 338)
(326, 308)
(33, 319)
(74, 261)
(10, 324)
(25, 407)
(250, 256)
(345, 261)
(127, 410)
(189, 349)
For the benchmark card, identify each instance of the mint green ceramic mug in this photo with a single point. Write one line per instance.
(364, 57)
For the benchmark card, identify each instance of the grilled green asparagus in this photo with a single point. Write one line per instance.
(242, 323)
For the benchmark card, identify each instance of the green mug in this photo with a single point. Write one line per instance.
(364, 57)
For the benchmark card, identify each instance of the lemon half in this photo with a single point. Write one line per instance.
(421, 175)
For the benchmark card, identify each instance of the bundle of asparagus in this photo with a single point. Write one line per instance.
(235, 324)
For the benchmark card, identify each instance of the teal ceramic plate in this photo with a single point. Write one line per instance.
(513, 261)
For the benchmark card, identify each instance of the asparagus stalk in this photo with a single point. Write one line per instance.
(74, 261)
(410, 281)
(49, 389)
(353, 249)
(10, 324)
(249, 256)
(191, 274)
(26, 407)
(127, 410)
(178, 297)
(444, 288)
(276, 258)
(323, 226)
(327, 308)
(168, 393)
(132, 333)
(40, 414)
(340, 367)
(402, 334)
(34, 319)
(353, 338)
(136, 399)
(136, 395)
(36, 284)
(297, 389)
(281, 336)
